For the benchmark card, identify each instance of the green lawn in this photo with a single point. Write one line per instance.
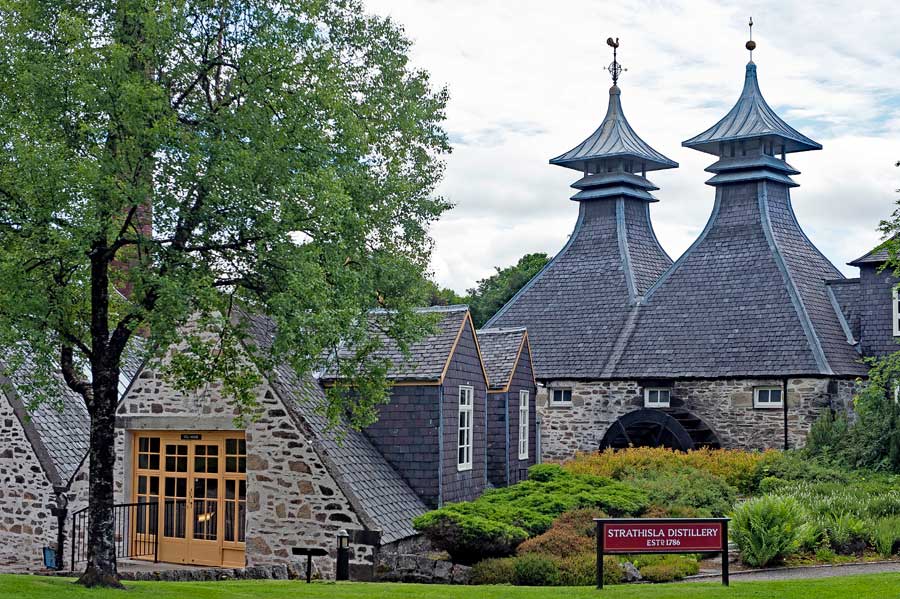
(848, 587)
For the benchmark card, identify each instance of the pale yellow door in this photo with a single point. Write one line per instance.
(199, 480)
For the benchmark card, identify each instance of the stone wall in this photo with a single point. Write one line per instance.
(26, 497)
(292, 500)
(725, 405)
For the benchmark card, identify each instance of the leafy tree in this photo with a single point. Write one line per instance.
(491, 293)
(435, 295)
(287, 154)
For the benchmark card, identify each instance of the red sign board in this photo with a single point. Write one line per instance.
(655, 537)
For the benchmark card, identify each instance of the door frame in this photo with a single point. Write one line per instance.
(188, 550)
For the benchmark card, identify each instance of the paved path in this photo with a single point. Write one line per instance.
(803, 572)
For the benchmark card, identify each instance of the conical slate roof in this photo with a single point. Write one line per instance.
(575, 307)
(751, 118)
(614, 138)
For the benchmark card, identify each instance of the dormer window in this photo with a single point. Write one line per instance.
(657, 397)
(767, 397)
(896, 312)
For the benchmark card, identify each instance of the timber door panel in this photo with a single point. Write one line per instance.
(202, 494)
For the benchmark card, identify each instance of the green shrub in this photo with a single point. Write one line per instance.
(811, 535)
(469, 538)
(697, 491)
(792, 466)
(495, 524)
(573, 533)
(766, 529)
(828, 435)
(543, 473)
(847, 533)
(498, 570)
(886, 536)
(534, 570)
(669, 568)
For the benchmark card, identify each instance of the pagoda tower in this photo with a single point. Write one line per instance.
(749, 297)
(576, 306)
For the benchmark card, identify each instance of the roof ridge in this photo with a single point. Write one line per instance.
(624, 254)
(809, 330)
(498, 330)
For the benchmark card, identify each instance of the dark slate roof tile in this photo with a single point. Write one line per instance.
(428, 356)
(500, 348)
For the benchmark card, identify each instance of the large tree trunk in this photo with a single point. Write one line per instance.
(101, 560)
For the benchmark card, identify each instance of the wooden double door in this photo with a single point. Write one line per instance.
(198, 481)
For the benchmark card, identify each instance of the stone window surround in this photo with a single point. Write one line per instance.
(466, 406)
(768, 405)
(551, 392)
(524, 407)
(659, 403)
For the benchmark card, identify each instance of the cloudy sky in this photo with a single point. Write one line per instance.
(527, 81)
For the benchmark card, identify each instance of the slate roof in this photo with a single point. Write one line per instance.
(751, 117)
(749, 298)
(500, 349)
(60, 432)
(847, 298)
(575, 307)
(427, 357)
(878, 255)
(614, 138)
(379, 495)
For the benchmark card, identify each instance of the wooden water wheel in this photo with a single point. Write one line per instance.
(675, 428)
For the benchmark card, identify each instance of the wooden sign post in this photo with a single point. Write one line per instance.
(661, 535)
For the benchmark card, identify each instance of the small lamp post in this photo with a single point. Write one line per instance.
(343, 556)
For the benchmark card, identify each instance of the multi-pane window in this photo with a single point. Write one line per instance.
(148, 453)
(896, 312)
(464, 447)
(657, 397)
(235, 489)
(767, 397)
(560, 397)
(523, 424)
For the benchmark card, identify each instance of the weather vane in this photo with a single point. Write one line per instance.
(615, 69)
(751, 45)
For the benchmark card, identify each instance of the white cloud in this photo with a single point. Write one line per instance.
(527, 82)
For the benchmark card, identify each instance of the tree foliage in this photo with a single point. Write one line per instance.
(287, 153)
(491, 293)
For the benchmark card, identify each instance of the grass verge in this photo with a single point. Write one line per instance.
(858, 587)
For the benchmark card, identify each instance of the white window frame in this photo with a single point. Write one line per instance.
(464, 428)
(560, 404)
(524, 423)
(768, 403)
(895, 310)
(658, 391)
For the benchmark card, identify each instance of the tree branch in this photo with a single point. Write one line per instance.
(75, 382)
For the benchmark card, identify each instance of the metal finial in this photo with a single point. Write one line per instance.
(615, 69)
(751, 45)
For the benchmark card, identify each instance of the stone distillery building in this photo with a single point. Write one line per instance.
(235, 496)
(742, 342)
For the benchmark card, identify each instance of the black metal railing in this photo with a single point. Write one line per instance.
(136, 531)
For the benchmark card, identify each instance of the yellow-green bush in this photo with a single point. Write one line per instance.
(738, 468)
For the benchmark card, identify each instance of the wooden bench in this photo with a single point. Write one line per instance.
(309, 552)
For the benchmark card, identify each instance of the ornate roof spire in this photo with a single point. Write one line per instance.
(751, 135)
(751, 45)
(614, 153)
(615, 69)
